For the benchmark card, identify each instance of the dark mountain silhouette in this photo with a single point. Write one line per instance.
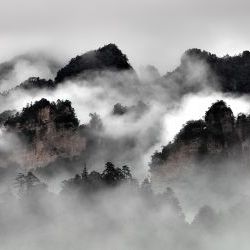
(41, 112)
(48, 131)
(228, 73)
(209, 142)
(109, 57)
(35, 83)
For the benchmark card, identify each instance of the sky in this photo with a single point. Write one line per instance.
(154, 32)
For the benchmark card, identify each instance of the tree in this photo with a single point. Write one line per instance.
(171, 199)
(31, 180)
(126, 172)
(109, 174)
(119, 109)
(95, 122)
(84, 174)
(112, 175)
(20, 183)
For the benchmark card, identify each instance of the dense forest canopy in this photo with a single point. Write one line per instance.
(61, 111)
(108, 57)
(232, 72)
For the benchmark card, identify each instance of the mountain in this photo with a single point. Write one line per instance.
(108, 57)
(197, 69)
(36, 83)
(5, 115)
(228, 73)
(48, 131)
(205, 143)
(33, 83)
(16, 70)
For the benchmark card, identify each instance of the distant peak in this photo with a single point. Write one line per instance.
(110, 47)
(219, 105)
(109, 57)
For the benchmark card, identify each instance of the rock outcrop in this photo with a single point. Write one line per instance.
(109, 58)
(205, 144)
(48, 131)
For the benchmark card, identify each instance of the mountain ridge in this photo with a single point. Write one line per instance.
(205, 143)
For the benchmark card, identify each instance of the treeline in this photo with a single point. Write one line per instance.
(232, 71)
(61, 112)
(85, 186)
(109, 57)
(115, 186)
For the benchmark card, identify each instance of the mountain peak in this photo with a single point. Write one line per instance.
(109, 57)
(227, 73)
(61, 113)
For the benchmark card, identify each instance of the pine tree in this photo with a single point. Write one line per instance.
(84, 174)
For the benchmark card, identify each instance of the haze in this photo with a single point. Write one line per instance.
(149, 31)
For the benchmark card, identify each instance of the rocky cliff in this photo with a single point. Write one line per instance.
(205, 143)
(48, 131)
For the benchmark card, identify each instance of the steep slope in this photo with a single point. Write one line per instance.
(228, 73)
(48, 131)
(33, 83)
(205, 143)
(108, 57)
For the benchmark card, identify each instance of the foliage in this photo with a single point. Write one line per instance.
(95, 123)
(119, 109)
(4, 116)
(108, 57)
(61, 111)
(36, 83)
(27, 183)
(65, 115)
(94, 181)
(233, 72)
(243, 125)
(217, 109)
(159, 158)
(211, 127)
(191, 130)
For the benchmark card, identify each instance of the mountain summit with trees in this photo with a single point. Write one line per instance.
(109, 57)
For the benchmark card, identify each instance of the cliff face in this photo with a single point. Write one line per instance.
(48, 131)
(205, 143)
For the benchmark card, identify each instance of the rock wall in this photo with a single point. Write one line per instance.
(43, 139)
(205, 144)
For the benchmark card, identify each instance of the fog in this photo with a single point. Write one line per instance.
(166, 108)
(157, 32)
(123, 216)
(118, 218)
(20, 68)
